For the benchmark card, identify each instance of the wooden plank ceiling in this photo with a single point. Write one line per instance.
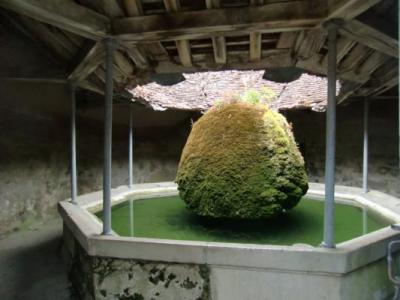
(174, 36)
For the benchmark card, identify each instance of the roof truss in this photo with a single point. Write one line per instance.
(167, 36)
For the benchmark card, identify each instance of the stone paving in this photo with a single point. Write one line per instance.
(31, 266)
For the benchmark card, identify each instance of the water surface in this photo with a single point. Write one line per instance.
(167, 218)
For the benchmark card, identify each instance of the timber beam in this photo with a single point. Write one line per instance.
(348, 9)
(89, 63)
(370, 37)
(66, 15)
(181, 25)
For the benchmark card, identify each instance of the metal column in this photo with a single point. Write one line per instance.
(74, 185)
(328, 241)
(110, 45)
(365, 151)
(130, 147)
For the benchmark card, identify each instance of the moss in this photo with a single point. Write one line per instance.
(241, 161)
(157, 275)
(188, 284)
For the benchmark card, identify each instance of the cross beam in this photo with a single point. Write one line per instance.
(273, 17)
(63, 14)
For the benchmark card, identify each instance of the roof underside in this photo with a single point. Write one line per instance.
(182, 36)
(200, 91)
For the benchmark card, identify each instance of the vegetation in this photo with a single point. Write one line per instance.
(241, 161)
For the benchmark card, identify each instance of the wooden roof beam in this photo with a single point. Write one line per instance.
(62, 47)
(137, 56)
(183, 46)
(272, 17)
(90, 86)
(213, 4)
(349, 9)
(370, 37)
(66, 15)
(133, 8)
(89, 63)
(255, 46)
(256, 2)
(218, 42)
(109, 8)
(271, 59)
(219, 47)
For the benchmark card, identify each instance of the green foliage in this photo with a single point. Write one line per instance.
(266, 95)
(241, 161)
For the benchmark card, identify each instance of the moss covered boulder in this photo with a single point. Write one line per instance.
(241, 161)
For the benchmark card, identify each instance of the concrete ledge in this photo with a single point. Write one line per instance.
(347, 257)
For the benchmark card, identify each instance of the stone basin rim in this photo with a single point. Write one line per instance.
(346, 257)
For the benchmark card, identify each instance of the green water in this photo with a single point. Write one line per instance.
(167, 218)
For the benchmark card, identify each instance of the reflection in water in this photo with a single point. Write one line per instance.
(132, 232)
(365, 219)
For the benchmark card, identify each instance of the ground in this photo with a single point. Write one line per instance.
(31, 266)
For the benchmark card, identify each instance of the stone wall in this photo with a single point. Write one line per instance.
(110, 278)
(309, 130)
(34, 147)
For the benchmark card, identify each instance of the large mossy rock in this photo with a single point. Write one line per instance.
(241, 161)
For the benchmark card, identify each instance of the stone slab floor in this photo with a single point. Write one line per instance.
(31, 266)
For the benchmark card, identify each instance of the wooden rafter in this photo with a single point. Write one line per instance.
(183, 46)
(109, 8)
(273, 17)
(89, 85)
(368, 36)
(348, 9)
(255, 46)
(287, 40)
(218, 42)
(373, 62)
(271, 59)
(255, 38)
(133, 8)
(314, 65)
(256, 2)
(343, 46)
(384, 78)
(309, 42)
(122, 65)
(89, 63)
(172, 5)
(137, 56)
(62, 47)
(219, 47)
(213, 4)
(66, 15)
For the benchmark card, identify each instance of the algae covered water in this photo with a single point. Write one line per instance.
(167, 218)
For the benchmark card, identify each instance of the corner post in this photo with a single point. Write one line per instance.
(365, 151)
(130, 147)
(328, 242)
(110, 44)
(74, 185)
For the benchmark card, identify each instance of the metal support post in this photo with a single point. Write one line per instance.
(74, 185)
(365, 152)
(328, 241)
(110, 44)
(130, 147)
